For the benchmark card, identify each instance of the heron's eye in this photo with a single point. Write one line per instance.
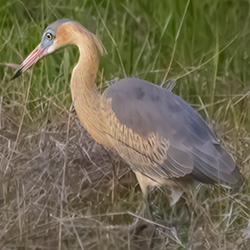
(49, 36)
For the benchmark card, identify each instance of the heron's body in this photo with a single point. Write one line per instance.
(161, 136)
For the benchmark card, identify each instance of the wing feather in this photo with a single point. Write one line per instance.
(147, 109)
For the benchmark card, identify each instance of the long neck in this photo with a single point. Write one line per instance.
(88, 103)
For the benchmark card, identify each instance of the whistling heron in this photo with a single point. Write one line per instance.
(162, 138)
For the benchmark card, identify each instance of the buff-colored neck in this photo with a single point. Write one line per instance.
(90, 106)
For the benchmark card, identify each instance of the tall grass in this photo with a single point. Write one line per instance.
(59, 189)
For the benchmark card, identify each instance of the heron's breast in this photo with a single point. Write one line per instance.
(134, 148)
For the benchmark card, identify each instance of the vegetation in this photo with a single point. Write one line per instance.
(61, 190)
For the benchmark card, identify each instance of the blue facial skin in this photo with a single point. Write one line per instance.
(47, 38)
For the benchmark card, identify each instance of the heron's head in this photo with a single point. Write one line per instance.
(57, 34)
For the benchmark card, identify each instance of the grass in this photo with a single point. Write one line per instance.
(61, 190)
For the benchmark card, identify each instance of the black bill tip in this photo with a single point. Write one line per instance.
(18, 73)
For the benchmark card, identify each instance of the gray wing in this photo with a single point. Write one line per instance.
(193, 149)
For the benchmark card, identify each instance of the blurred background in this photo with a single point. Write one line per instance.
(61, 190)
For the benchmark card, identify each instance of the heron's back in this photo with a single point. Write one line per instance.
(181, 143)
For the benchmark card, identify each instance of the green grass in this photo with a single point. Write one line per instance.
(61, 190)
